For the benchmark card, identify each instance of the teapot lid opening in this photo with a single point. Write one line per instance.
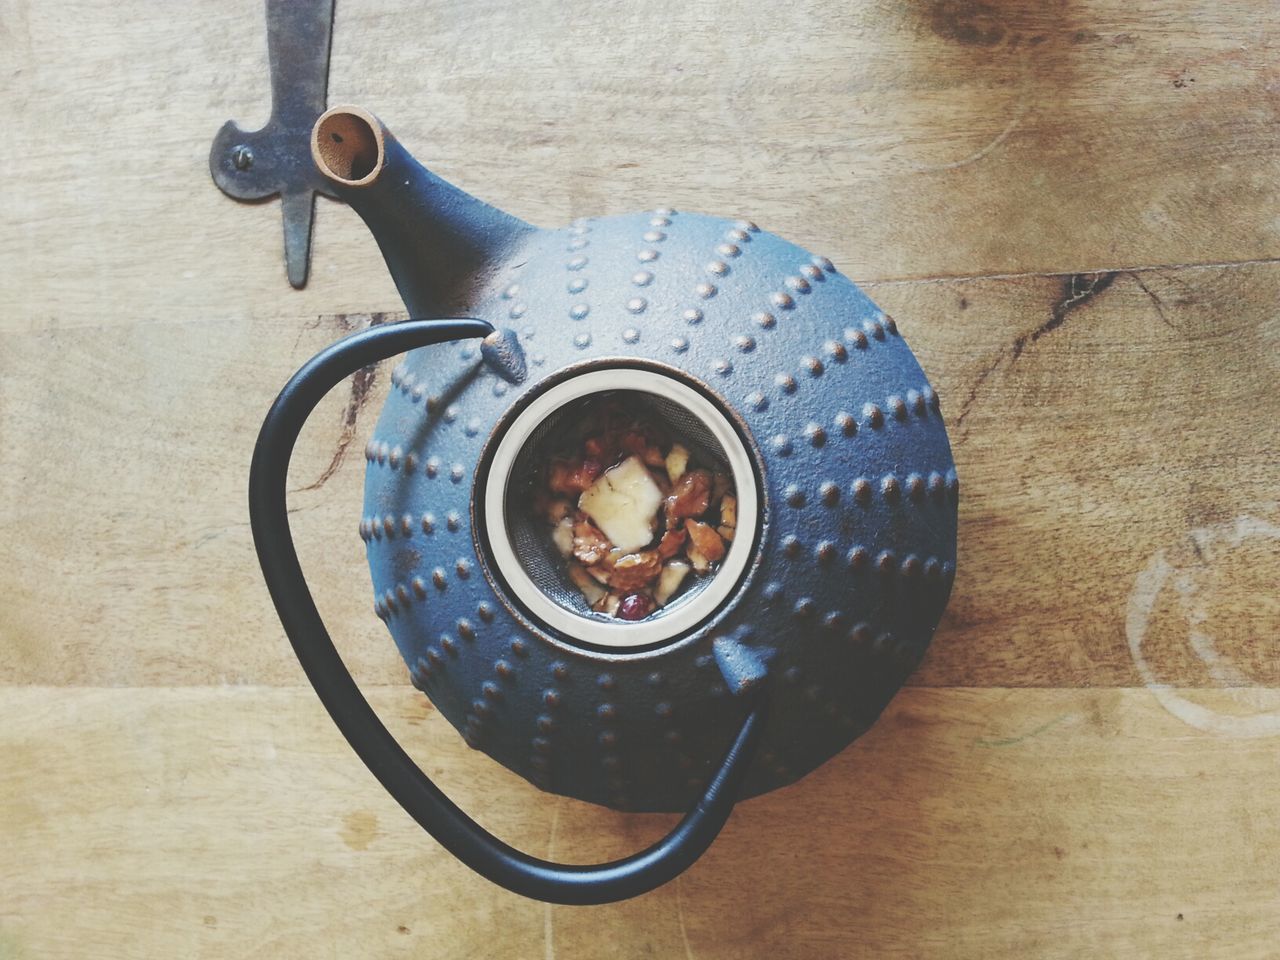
(547, 580)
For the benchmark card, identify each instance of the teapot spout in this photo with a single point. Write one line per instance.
(439, 242)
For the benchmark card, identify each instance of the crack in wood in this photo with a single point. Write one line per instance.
(1077, 290)
(1155, 299)
(973, 394)
(362, 383)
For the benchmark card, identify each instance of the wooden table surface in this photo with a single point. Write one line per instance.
(1071, 208)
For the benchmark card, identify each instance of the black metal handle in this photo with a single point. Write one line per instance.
(373, 743)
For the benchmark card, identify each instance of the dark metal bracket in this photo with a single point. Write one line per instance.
(276, 160)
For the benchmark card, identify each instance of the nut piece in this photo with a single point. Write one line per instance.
(609, 604)
(705, 545)
(624, 503)
(728, 517)
(673, 574)
(562, 536)
(589, 544)
(677, 462)
(672, 542)
(729, 511)
(635, 570)
(690, 496)
(584, 582)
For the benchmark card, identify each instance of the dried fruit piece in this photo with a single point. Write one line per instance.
(589, 544)
(705, 545)
(673, 574)
(690, 496)
(567, 476)
(624, 503)
(635, 570)
(635, 606)
(677, 461)
(591, 590)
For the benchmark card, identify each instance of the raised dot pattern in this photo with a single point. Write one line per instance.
(723, 344)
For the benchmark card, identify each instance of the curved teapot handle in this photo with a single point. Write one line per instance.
(373, 743)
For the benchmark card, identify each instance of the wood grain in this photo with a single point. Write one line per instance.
(213, 822)
(1070, 208)
(1146, 413)
(905, 140)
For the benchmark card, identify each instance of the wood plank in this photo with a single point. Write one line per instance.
(1104, 425)
(213, 822)
(904, 140)
(1085, 764)
(1092, 436)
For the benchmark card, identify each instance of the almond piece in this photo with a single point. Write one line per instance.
(673, 574)
(572, 476)
(729, 511)
(562, 536)
(677, 462)
(609, 604)
(591, 590)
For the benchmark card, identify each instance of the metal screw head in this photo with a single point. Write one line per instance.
(242, 157)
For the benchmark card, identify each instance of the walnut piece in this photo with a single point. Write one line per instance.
(673, 574)
(589, 544)
(635, 570)
(677, 461)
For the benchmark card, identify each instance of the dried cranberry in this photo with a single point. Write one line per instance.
(635, 606)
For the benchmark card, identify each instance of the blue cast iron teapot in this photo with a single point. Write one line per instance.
(662, 521)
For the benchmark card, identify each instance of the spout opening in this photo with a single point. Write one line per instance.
(347, 145)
